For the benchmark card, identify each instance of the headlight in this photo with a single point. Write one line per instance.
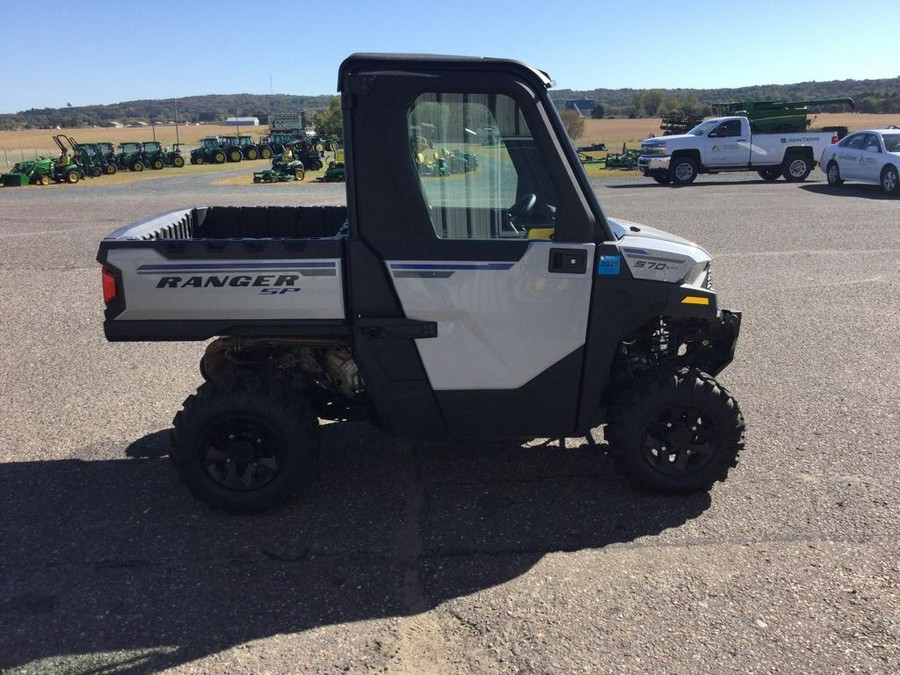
(651, 150)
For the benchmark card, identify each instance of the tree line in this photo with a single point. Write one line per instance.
(186, 110)
(870, 96)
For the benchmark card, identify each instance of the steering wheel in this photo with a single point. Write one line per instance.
(522, 207)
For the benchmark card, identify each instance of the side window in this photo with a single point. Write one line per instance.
(726, 129)
(854, 142)
(479, 168)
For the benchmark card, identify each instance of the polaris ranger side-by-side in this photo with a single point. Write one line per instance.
(497, 302)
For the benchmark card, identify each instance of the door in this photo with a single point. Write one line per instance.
(849, 156)
(489, 247)
(870, 159)
(727, 146)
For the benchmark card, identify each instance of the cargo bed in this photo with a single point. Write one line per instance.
(200, 272)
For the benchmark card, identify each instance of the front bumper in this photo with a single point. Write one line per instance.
(653, 165)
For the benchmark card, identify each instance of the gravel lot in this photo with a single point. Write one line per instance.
(492, 557)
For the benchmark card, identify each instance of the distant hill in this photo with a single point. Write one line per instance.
(871, 96)
(190, 109)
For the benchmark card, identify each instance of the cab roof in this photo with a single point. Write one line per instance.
(441, 62)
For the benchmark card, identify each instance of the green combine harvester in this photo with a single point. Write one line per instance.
(776, 116)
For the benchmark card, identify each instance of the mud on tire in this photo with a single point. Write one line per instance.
(244, 444)
(675, 431)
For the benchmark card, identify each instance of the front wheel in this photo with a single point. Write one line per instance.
(219, 157)
(157, 164)
(770, 174)
(252, 153)
(137, 166)
(265, 152)
(683, 171)
(299, 174)
(244, 444)
(890, 182)
(178, 161)
(111, 169)
(235, 156)
(676, 431)
(833, 174)
(796, 168)
(72, 176)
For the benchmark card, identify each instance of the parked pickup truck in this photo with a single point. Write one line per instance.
(498, 302)
(729, 144)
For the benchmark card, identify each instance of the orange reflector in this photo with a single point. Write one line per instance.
(109, 286)
(695, 300)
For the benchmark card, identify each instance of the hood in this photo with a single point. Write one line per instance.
(626, 228)
(662, 140)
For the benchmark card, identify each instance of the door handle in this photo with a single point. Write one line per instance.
(568, 261)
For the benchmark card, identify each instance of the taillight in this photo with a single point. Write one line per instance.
(834, 139)
(110, 291)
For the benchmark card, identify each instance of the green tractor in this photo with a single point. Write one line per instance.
(92, 159)
(243, 143)
(43, 171)
(108, 150)
(131, 157)
(209, 152)
(156, 156)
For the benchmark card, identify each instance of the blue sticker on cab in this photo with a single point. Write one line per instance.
(609, 264)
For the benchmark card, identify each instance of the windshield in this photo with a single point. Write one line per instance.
(704, 128)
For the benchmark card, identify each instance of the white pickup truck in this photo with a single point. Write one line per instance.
(728, 144)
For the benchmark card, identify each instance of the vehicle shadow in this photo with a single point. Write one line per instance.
(699, 183)
(113, 565)
(859, 190)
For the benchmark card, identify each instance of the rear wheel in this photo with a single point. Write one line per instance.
(890, 182)
(299, 174)
(833, 174)
(72, 176)
(796, 168)
(244, 444)
(770, 174)
(111, 169)
(683, 171)
(95, 172)
(315, 165)
(157, 164)
(676, 431)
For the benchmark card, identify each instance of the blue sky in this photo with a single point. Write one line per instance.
(98, 52)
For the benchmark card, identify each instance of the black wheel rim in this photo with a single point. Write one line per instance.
(241, 453)
(680, 441)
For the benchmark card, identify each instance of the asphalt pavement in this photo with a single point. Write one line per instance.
(494, 557)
